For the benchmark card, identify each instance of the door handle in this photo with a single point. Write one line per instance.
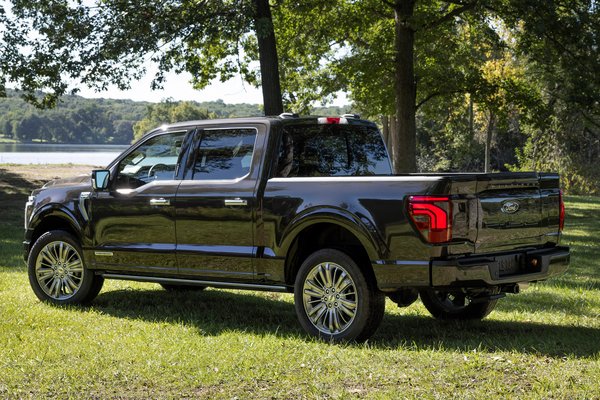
(236, 202)
(160, 202)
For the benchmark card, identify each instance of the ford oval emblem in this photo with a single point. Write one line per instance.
(510, 207)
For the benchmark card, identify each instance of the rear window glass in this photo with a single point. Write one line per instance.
(331, 150)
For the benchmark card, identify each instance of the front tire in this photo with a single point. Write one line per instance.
(455, 305)
(335, 299)
(57, 271)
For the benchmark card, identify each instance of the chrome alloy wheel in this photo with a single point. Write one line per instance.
(330, 298)
(59, 270)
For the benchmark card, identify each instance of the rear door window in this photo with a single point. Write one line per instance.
(224, 154)
(331, 150)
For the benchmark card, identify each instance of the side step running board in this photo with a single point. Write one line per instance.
(176, 281)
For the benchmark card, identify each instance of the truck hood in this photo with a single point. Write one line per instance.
(70, 181)
(66, 187)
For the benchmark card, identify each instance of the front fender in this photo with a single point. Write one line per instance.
(54, 210)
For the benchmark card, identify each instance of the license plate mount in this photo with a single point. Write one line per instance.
(509, 265)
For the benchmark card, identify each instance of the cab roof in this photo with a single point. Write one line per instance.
(283, 119)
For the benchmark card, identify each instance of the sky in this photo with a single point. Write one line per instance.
(177, 87)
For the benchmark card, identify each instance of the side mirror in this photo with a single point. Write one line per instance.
(100, 179)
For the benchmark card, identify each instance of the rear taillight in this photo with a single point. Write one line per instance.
(561, 221)
(432, 216)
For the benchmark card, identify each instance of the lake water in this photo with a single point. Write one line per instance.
(97, 155)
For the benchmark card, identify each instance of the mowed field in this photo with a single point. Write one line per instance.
(139, 341)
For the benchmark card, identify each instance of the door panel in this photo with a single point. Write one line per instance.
(215, 207)
(133, 223)
(215, 239)
(134, 233)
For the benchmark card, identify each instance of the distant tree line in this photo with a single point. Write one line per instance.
(79, 120)
(74, 120)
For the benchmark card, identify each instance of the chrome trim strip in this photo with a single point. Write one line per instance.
(227, 285)
(400, 262)
(228, 127)
(160, 202)
(236, 202)
(28, 210)
(82, 198)
(373, 179)
(103, 253)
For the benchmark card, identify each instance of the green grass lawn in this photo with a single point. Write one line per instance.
(138, 341)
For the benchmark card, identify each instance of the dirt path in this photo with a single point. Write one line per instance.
(17, 182)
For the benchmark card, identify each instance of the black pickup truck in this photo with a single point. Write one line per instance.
(305, 205)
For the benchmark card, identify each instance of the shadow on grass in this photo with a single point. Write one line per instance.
(214, 312)
(15, 188)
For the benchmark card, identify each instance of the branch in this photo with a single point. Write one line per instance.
(570, 53)
(436, 94)
(458, 3)
(589, 119)
(457, 11)
(390, 4)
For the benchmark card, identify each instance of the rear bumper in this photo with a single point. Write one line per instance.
(501, 269)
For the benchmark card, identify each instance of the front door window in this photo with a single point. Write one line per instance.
(155, 160)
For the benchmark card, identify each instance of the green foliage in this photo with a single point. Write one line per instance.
(168, 112)
(74, 120)
(512, 76)
(518, 65)
(564, 135)
(49, 46)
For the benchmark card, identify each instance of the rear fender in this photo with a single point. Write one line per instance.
(361, 228)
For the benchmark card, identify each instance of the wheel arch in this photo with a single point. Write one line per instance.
(332, 229)
(53, 217)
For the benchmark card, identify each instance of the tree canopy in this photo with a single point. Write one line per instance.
(455, 84)
(47, 45)
(402, 59)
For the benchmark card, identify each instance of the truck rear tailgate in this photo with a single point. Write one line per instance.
(516, 210)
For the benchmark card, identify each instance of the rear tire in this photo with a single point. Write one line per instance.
(455, 305)
(335, 300)
(57, 271)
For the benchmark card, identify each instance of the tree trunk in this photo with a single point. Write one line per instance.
(393, 133)
(269, 62)
(385, 122)
(404, 140)
(488, 141)
(471, 119)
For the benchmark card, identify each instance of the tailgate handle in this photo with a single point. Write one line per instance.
(160, 202)
(236, 202)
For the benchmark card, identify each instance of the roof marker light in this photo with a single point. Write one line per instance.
(332, 120)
